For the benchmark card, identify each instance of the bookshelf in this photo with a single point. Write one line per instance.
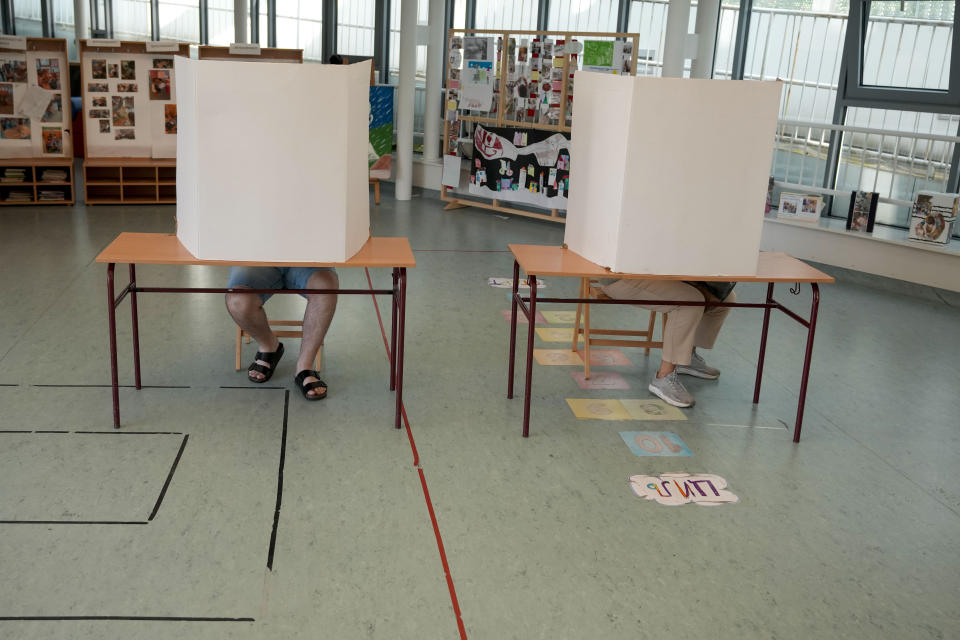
(130, 181)
(36, 181)
(28, 174)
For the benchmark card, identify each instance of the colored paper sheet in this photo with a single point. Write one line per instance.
(521, 319)
(655, 443)
(652, 409)
(560, 317)
(607, 358)
(596, 409)
(599, 379)
(557, 334)
(557, 357)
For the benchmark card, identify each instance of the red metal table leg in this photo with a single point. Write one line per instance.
(136, 328)
(763, 345)
(530, 329)
(513, 328)
(394, 305)
(112, 323)
(400, 334)
(814, 308)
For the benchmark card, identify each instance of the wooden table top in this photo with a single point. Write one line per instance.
(165, 248)
(556, 261)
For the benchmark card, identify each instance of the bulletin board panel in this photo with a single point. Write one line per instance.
(130, 140)
(36, 141)
(267, 54)
(532, 103)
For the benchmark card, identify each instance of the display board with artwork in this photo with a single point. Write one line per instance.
(36, 147)
(129, 98)
(508, 107)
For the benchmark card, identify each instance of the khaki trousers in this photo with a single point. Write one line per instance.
(686, 327)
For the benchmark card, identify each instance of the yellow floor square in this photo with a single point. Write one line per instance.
(596, 409)
(652, 409)
(560, 317)
(556, 334)
(557, 357)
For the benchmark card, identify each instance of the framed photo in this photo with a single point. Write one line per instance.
(798, 206)
(863, 211)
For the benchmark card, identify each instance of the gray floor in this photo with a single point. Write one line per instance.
(852, 533)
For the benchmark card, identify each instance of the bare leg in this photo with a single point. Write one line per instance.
(316, 321)
(247, 311)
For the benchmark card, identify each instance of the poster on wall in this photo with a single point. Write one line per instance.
(521, 165)
(132, 98)
(477, 78)
(31, 105)
(381, 132)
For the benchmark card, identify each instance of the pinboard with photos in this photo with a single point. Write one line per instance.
(36, 146)
(130, 98)
(508, 110)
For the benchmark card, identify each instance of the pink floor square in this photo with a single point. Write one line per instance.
(600, 380)
(606, 358)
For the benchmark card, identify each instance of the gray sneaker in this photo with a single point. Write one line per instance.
(671, 390)
(698, 368)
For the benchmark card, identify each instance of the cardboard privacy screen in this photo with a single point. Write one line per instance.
(670, 175)
(272, 160)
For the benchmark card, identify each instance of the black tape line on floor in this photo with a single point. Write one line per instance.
(109, 522)
(283, 455)
(135, 618)
(166, 484)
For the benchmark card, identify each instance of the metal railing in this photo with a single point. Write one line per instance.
(895, 164)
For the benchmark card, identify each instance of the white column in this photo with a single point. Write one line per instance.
(403, 187)
(81, 21)
(241, 19)
(708, 16)
(435, 64)
(675, 40)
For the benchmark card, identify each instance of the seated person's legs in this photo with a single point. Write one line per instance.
(316, 321)
(681, 333)
(247, 311)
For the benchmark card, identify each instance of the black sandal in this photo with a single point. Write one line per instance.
(310, 386)
(272, 357)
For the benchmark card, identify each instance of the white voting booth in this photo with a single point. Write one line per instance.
(669, 176)
(272, 160)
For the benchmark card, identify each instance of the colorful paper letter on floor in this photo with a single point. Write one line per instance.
(681, 488)
(655, 443)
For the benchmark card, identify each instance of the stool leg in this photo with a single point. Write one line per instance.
(239, 346)
(576, 327)
(653, 322)
(586, 339)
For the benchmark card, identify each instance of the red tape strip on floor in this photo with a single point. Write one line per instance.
(423, 481)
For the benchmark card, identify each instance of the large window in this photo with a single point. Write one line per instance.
(179, 20)
(355, 27)
(131, 20)
(583, 15)
(221, 29)
(506, 14)
(908, 46)
(300, 26)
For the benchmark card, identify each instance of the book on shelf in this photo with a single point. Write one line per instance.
(863, 211)
(51, 195)
(20, 196)
(13, 174)
(53, 175)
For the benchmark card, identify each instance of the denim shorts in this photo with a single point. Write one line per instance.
(272, 278)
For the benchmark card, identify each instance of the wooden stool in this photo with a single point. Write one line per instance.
(376, 190)
(241, 334)
(591, 289)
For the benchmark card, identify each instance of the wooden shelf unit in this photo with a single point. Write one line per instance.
(129, 181)
(32, 184)
(33, 167)
(110, 180)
